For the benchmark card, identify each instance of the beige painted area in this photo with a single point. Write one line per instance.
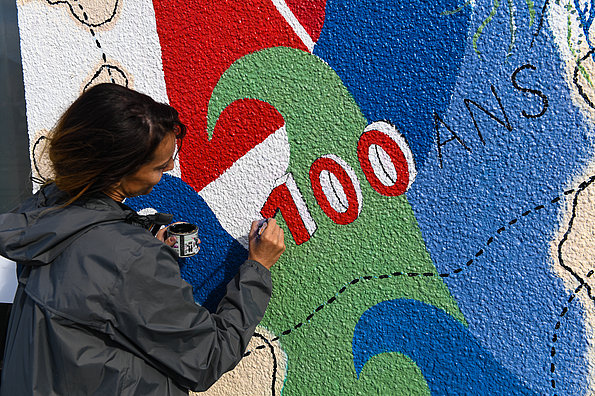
(578, 253)
(253, 376)
(41, 166)
(109, 72)
(573, 47)
(97, 14)
(586, 80)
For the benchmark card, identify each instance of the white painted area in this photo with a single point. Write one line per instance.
(298, 200)
(237, 196)
(383, 167)
(293, 22)
(392, 132)
(8, 280)
(60, 55)
(147, 211)
(56, 59)
(334, 190)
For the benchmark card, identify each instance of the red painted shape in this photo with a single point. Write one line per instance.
(281, 199)
(199, 41)
(310, 13)
(241, 126)
(396, 155)
(328, 164)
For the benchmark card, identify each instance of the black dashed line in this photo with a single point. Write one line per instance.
(571, 298)
(98, 43)
(456, 271)
(564, 310)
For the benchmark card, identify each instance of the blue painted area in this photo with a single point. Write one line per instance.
(220, 255)
(399, 59)
(449, 357)
(411, 62)
(510, 295)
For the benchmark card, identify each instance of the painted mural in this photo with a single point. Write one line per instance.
(431, 163)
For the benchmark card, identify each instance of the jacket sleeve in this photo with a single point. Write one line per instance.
(157, 318)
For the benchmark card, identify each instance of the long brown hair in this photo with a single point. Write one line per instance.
(109, 132)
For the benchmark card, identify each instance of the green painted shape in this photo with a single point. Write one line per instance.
(374, 376)
(322, 118)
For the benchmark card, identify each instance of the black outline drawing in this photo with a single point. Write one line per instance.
(85, 16)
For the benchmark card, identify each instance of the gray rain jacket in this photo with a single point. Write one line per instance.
(101, 308)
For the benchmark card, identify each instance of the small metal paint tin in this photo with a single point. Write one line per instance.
(187, 242)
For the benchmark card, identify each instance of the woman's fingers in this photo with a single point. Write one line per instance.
(266, 242)
(254, 228)
(161, 235)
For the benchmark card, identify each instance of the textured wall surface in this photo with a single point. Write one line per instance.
(431, 163)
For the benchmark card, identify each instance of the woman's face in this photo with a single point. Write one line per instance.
(142, 181)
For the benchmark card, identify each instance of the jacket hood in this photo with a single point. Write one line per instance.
(40, 229)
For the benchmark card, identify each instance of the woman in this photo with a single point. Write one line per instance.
(101, 307)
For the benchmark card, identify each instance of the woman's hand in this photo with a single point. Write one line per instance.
(267, 245)
(171, 241)
(161, 236)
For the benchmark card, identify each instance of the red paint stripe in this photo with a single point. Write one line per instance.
(199, 41)
(310, 13)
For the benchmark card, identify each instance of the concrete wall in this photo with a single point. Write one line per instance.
(431, 163)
